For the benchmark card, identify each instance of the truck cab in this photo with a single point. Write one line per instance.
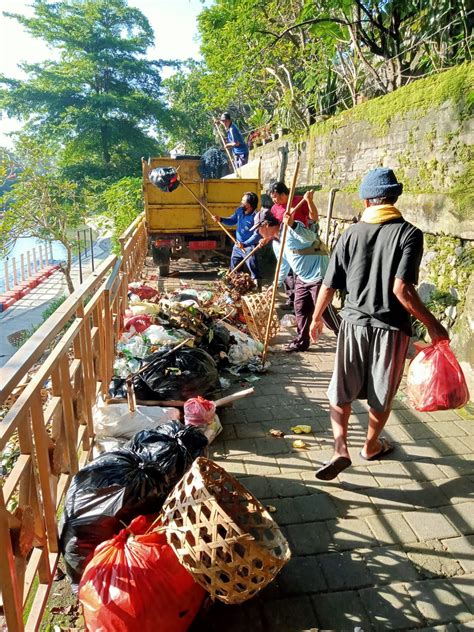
(178, 227)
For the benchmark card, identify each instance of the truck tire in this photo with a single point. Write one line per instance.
(161, 255)
(164, 270)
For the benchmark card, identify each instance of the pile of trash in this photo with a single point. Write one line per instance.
(210, 322)
(160, 415)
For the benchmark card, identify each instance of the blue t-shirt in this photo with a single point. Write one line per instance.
(234, 136)
(244, 223)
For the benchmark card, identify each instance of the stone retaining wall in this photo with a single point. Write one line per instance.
(425, 132)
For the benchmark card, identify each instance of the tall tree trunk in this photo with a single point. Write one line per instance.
(104, 133)
(67, 268)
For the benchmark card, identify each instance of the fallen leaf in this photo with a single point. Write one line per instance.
(299, 444)
(271, 508)
(277, 433)
(302, 429)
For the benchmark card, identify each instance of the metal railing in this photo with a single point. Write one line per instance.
(50, 424)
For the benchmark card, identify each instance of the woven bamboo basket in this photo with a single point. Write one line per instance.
(256, 308)
(222, 535)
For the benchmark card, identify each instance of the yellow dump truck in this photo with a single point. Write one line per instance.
(178, 227)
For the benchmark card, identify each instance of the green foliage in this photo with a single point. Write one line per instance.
(123, 201)
(191, 118)
(102, 97)
(450, 271)
(41, 202)
(306, 58)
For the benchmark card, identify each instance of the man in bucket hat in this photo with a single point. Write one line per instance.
(376, 261)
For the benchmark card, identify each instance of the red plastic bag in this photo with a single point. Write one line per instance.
(134, 583)
(435, 380)
(138, 324)
(144, 292)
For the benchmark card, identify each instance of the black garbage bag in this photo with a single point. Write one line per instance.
(118, 388)
(169, 375)
(165, 178)
(120, 485)
(216, 342)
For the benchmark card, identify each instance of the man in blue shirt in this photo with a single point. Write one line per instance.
(247, 239)
(235, 141)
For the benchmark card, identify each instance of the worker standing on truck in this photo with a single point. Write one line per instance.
(243, 219)
(235, 140)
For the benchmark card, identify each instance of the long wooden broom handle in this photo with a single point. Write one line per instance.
(206, 209)
(278, 266)
(229, 156)
(259, 245)
(252, 252)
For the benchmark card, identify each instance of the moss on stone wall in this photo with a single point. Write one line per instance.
(446, 271)
(415, 99)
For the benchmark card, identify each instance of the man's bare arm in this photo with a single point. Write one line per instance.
(324, 298)
(409, 298)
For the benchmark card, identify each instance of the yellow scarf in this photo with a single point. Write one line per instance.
(380, 214)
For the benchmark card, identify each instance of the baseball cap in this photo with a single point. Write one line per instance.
(225, 116)
(264, 216)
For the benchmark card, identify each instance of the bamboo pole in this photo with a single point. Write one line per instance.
(206, 209)
(252, 252)
(260, 244)
(229, 156)
(278, 266)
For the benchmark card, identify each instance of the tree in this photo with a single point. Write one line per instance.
(123, 201)
(192, 119)
(41, 203)
(102, 99)
(300, 59)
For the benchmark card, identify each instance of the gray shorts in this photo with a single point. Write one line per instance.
(369, 365)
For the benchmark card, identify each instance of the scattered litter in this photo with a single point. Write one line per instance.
(299, 444)
(302, 429)
(225, 383)
(288, 321)
(276, 433)
(271, 508)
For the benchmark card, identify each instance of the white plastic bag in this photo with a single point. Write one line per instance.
(116, 421)
(288, 321)
(212, 429)
(245, 350)
(158, 335)
(144, 308)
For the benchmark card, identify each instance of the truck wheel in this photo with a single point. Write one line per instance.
(161, 255)
(164, 270)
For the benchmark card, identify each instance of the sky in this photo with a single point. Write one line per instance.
(173, 21)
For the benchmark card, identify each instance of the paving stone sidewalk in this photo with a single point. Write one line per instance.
(387, 545)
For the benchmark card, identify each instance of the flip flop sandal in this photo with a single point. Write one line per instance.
(387, 448)
(333, 468)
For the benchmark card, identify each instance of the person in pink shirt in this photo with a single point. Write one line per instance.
(279, 193)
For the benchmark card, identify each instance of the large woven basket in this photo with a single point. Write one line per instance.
(222, 534)
(256, 308)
